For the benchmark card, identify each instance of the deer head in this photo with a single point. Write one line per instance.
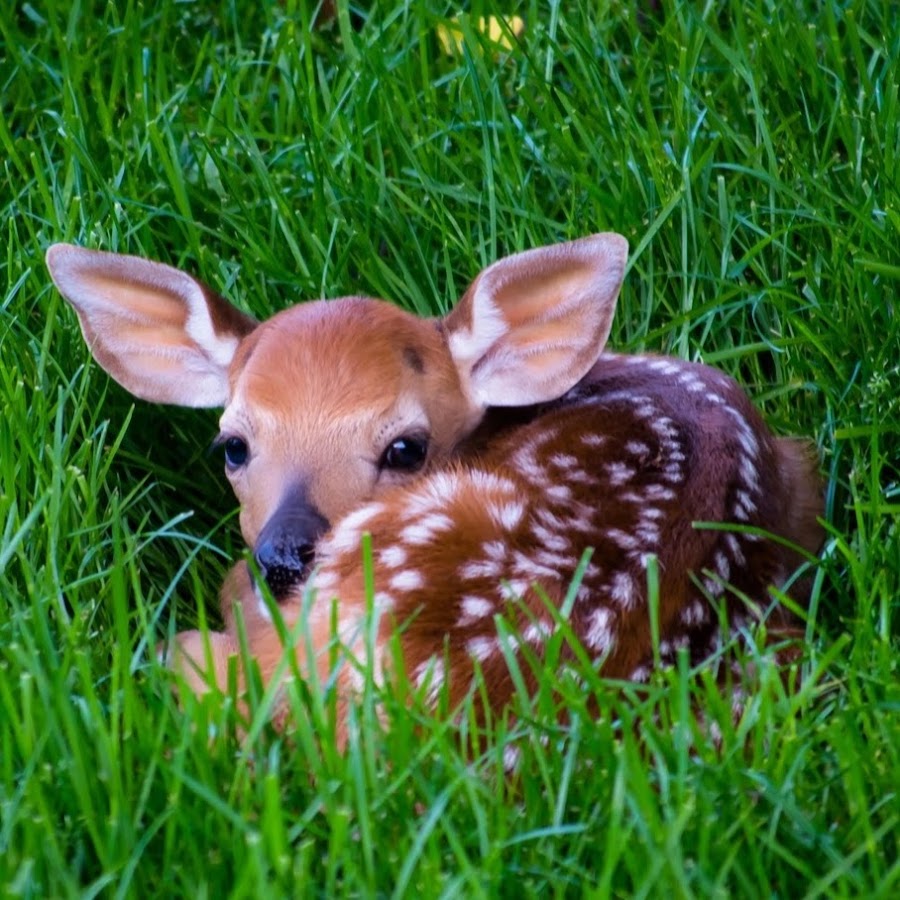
(329, 404)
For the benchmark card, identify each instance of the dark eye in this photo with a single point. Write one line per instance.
(236, 452)
(405, 454)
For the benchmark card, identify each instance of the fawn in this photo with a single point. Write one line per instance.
(483, 452)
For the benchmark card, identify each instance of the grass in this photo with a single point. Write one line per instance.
(749, 151)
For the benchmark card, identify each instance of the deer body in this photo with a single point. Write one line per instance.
(484, 453)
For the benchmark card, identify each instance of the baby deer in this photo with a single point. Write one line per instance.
(484, 452)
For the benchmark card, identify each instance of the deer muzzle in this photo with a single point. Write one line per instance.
(286, 546)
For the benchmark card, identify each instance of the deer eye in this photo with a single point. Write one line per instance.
(406, 454)
(236, 452)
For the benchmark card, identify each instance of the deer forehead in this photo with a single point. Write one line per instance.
(355, 367)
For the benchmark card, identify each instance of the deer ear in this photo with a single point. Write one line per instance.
(532, 325)
(162, 335)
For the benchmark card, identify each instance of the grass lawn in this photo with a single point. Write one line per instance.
(750, 152)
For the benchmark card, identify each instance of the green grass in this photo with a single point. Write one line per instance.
(749, 151)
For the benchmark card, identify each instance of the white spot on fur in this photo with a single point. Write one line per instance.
(723, 567)
(549, 520)
(525, 461)
(361, 517)
(673, 474)
(480, 568)
(537, 632)
(507, 515)
(488, 482)
(664, 427)
(659, 492)
(431, 672)
(512, 756)
(437, 522)
(344, 539)
(599, 635)
(648, 532)
(383, 602)
(619, 473)
(748, 441)
(621, 590)
(555, 561)
(439, 489)
(564, 461)
(494, 549)
(745, 434)
(513, 589)
(744, 506)
(749, 474)
(550, 540)
(420, 505)
(473, 609)
(410, 580)
(581, 524)
(658, 364)
(392, 557)
(535, 474)
(559, 492)
(734, 548)
(694, 614)
(425, 530)
(482, 648)
(530, 570)
(689, 380)
(641, 674)
(621, 539)
(593, 440)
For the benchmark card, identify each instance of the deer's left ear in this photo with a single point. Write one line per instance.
(532, 325)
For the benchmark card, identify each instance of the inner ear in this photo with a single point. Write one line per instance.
(163, 335)
(532, 325)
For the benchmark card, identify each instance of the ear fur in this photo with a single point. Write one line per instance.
(161, 334)
(532, 325)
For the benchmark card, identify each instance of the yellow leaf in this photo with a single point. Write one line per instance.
(499, 31)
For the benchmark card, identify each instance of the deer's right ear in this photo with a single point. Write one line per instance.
(162, 335)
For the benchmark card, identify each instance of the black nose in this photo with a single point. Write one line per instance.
(286, 547)
(283, 565)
